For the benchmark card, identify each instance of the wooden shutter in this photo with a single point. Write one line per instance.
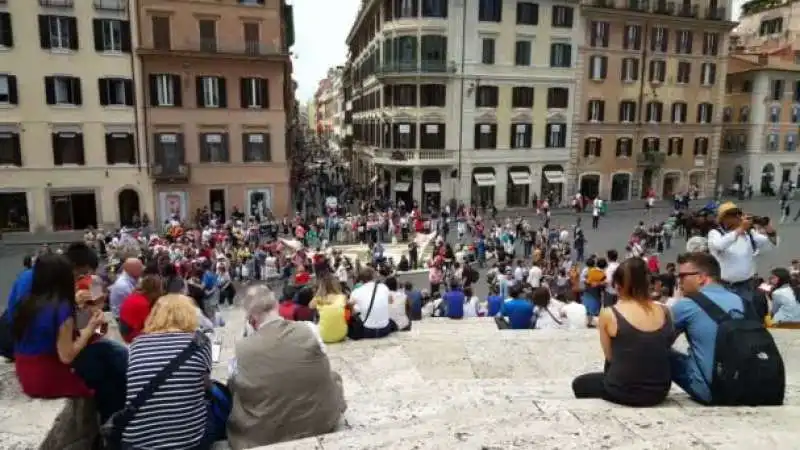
(264, 93)
(13, 95)
(223, 92)
(50, 90)
(226, 154)
(125, 32)
(153, 89)
(243, 96)
(130, 94)
(97, 28)
(72, 25)
(205, 155)
(17, 149)
(7, 36)
(82, 151)
(109, 153)
(102, 89)
(57, 158)
(75, 83)
(198, 90)
(44, 31)
(177, 90)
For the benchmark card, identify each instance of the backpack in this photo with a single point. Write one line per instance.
(220, 403)
(748, 369)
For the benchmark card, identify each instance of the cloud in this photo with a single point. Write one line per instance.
(321, 27)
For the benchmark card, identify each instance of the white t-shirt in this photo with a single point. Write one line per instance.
(546, 319)
(379, 316)
(612, 267)
(535, 276)
(574, 316)
(471, 307)
(397, 310)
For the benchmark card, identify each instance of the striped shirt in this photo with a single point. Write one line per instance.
(175, 416)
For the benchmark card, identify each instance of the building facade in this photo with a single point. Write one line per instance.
(216, 83)
(652, 86)
(469, 101)
(760, 123)
(766, 26)
(69, 158)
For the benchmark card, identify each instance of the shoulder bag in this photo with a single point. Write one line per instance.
(111, 431)
(356, 328)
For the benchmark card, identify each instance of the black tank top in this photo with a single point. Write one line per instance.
(639, 372)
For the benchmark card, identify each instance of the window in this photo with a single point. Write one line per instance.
(434, 8)
(600, 32)
(654, 112)
(684, 72)
(10, 150)
(791, 142)
(8, 90)
(490, 10)
(674, 146)
(115, 91)
(211, 92)
(214, 148)
(404, 135)
(659, 37)
(522, 97)
(557, 98)
(627, 111)
(251, 2)
(252, 38)
(770, 26)
(624, 147)
(111, 35)
(487, 52)
(747, 86)
(658, 71)
(522, 53)
(208, 35)
(632, 40)
(797, 91)
(63, 91)
(254, 93)
(772, 142)
(727, 114)
(592, 147)
(120, 149)
(744, 114)
(521, 135)
(485, 136)
(711, 44)
(555, 135)
(598, 67)
(679, 110)
(683, 42)
(486, 97)
(774, 114)
(68, 149)
(162, 36)
(432, 136)
(256, 147)
(776, 88)
(432, 95)
(405, 9)
(795, 114)
(705, 113)
(562, 16)
(6, 30)
(630, 70)
(58, 32)
(708, 74)
(527, 13)
(596, 111)
(405, 95)
(560, 55)
(165, 90)
(651, 145)
(433, 50)
(700, 146)
(169, 152)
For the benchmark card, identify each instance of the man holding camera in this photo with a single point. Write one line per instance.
(735, 243)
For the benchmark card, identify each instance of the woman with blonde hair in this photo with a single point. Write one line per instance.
(331, 306)
(136, 307)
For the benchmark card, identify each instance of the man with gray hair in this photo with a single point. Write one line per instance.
(283, 386)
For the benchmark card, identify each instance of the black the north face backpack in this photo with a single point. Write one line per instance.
(748, 368)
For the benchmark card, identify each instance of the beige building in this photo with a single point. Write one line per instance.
(68, 152)
(652, 86)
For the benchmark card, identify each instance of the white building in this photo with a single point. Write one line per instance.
(468, 100)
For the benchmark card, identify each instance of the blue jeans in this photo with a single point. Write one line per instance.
(591, 303)
(103, 365)
(683, 370)
(746, 290)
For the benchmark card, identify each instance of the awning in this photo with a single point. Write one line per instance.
(432, 187)
(555, 176)
(485, 179)
(401, 186)
(520, 178)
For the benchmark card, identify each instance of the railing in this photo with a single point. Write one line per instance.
(685, 10)
(638, 5)
(402, 154)
(57, 3)
(716, 14)
(110, 5)
(667, 8)
(650, 159)
(212, 46)
(171, 171)
(424, 66)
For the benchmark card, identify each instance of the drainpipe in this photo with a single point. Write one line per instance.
(136, 137)
(640, 112)
(457, 185)
(144, 119)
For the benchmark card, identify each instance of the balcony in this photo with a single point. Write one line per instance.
(690, 11)
(415, 68)
(637, 5)
(172, 172)
(57, 3)
(652, 160)
(213, 48)
(665, 8)
(111, 5)
(716, 14)
(603, 3)
(412, 157)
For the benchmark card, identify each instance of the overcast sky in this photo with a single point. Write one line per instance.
(321, 27)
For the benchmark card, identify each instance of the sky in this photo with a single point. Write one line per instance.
(321, 27)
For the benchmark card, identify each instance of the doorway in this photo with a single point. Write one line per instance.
(216, 203)
(128, 203)
(73, 211)
(647, 182)
(590, 186)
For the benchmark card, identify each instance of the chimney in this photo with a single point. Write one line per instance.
(763, 59)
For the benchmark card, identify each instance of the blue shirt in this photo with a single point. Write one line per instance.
(209, 280)
(701, 332)
(415, 298)
(519, 313)
(454, 304)
(42, 333)
(19, 290)
(494, 305)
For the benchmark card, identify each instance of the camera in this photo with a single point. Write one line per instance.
(761, 221)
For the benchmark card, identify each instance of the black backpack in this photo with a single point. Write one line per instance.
(748, 369)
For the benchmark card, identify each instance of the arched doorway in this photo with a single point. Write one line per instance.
(738, 176)
(431, 189)
(590, 185)
(671, 185)
(697, 181)
(553, 184)
(767, 178)
(518, 191)
(483, 182)
(620, 187)
(404, 186)
(128, 204)
(647, 182)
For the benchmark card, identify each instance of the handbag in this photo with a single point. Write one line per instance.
(111, 430)
(356, 328)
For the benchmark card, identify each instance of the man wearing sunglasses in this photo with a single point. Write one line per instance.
(734, 245)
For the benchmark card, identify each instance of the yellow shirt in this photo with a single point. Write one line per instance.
(332, 324)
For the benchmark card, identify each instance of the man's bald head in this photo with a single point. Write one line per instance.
(133, 267)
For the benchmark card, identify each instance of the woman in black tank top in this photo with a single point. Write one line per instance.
(637, 369)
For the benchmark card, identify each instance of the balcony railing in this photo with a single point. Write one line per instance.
(170, 172)
(666, 8)
(662, 7)
(213, 47)
(690, 11)
(57, 3)
(411, 155)
(111, 5)
(716, 14)
(415, 67)
(650, 159)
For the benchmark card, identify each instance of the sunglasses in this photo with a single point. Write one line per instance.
(682, 275)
